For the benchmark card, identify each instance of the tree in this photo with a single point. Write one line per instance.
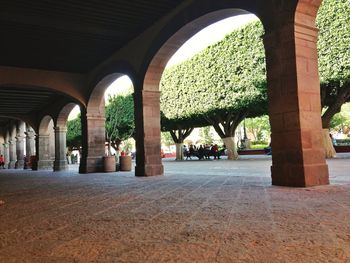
(220, 86)
(74, 133)
(206, 135)
(166, 138)
(259, 127)
(341, 121)
(120, 124)
(334, 62)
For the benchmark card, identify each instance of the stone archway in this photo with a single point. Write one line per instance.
(148, 161)
(93, 127)
(294, 99)
(60, 163)
(45, 143)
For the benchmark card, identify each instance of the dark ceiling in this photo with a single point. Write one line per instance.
(15, 101)
(72, 35)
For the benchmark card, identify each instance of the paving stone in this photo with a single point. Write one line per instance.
(209, 211)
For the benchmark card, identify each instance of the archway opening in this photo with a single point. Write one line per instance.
(110, 120)
(46, 144)
(219, 86)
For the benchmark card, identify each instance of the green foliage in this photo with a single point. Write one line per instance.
(74, 133)
(166, 139)
(120, 123)
(341, 121)
(228, 76)
(258, 146)
(206, 137)
(333, 21)
(334, 57)
(259, 127)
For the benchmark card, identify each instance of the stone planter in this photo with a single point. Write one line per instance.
(109, 164)
(125, 163)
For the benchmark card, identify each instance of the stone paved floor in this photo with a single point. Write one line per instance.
(201, 211)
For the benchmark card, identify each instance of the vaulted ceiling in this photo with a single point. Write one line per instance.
(72, 35)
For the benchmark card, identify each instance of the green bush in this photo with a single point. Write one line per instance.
(258, 146)
(343, 142)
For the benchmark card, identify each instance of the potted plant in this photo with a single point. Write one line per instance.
(119, 125)
(125, 157)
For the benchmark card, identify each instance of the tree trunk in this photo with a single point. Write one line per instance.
(328, 144)
(232, 153)
(179, 151)
(109, 147)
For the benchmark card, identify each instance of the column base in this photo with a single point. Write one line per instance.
(61, 165)
(19, 164)
(300, 176)
(44, 165)
(91, 165)
(12, 165)
(149, 170)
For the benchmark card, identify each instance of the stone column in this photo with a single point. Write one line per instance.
(6, 154)
(30, 146)
(12, 153)
(147, 121)
(52, 140)
(12, 147)
(93, 142)
(20, 145)
(30, 142)
(294, 107)
(19, 152)
(2, 141)
(60, 163)
(44, 158)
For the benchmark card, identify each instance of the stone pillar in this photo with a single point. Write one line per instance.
(6, 154)
(93, 142)
(12, 153)
(44, 158)
(60, 163)
(147, 122)
(30, 142)
(20, 145)
(294, 107)
(2, 147)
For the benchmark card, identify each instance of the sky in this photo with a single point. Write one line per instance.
(197, 43)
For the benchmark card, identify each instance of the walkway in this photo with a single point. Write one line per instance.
(201, 211)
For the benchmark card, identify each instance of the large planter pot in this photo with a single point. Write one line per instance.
(125, 163)
(109, 164)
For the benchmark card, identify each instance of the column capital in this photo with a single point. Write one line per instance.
(29, 133)
(43, 135)
(95, 117)
(59, 129)
(19, 138)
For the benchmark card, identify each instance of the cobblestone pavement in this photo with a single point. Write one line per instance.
(200, 211)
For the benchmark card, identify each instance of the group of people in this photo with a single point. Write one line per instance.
(203, 151)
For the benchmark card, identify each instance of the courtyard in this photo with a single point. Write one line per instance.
(200, 211)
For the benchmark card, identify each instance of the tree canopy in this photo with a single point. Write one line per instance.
(74, 133)
(120, 124)
(334, 56)
(228, 76)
